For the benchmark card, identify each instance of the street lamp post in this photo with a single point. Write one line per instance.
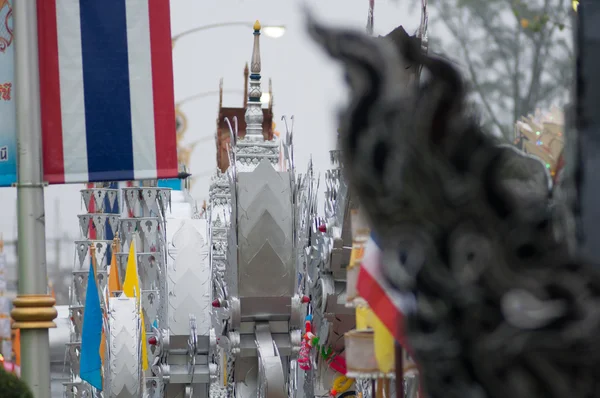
(265, 98)
(273, 31)
(34, 310)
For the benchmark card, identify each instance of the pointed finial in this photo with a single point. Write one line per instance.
(270, 94)
(370, 23)
(246, 75)
(221, 93)
(255, 65)
(254, 113)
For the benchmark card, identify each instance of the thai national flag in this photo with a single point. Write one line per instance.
(106, 78)
(388, 304)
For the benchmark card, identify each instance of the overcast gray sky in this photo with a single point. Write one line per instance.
(305, 83)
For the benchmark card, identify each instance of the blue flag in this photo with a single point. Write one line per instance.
(91, 335)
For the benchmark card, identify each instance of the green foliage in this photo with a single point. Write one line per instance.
(12, 387)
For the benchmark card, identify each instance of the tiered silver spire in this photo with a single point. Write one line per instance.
(254, 114)
(250, 150)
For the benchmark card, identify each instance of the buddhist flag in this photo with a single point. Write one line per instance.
(91, 335)
(386, 303)
(131, 288)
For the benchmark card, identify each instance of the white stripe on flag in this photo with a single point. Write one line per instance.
(141, 88)
(71, 91)
(371, 263)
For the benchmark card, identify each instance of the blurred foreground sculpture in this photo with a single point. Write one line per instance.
(473, 228)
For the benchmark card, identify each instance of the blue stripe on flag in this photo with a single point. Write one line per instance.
(375, 239)
(106, 90)
(113, 210)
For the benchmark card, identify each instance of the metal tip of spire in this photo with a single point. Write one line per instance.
(254, 116)
(370, 17)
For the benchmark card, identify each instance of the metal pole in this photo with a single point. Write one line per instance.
(220, 25)
(210, 26)
(34, 310)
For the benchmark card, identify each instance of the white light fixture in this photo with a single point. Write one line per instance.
(273, 31)
(265, 98)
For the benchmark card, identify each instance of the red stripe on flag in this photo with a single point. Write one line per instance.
(162, 86)
(381, 304)
(130, 213)
(92, 209)
(52, 148)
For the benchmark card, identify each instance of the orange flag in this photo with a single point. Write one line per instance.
(103, 347)
(114, 282)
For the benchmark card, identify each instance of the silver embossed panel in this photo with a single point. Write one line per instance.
(265, 240)
(190, 288)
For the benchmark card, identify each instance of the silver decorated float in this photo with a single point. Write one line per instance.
(172, 261)
(258, 309)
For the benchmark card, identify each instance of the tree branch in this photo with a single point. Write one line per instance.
(537, 67)
(474, 79)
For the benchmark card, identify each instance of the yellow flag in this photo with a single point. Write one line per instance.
(131, 288)
(384, 345)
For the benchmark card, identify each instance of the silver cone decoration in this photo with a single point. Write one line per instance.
(150, 305)
(74, 355)
(127, 229)
(102, 278)
(113, 222)
(84, 224)
(149, 230)
(132, 198)
(100, 251)
(148, 267)
(165, 201)
(150, 199)
(86, 195)
(100, 225)
(83, 247)
(112, 195)
(77, 318)
(97, 201)
(77, 390)
(99, 196)
(122, 263)
(80, 280)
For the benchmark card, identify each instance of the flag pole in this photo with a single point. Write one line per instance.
(34, 310)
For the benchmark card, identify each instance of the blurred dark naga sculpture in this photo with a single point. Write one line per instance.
(471, 227)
